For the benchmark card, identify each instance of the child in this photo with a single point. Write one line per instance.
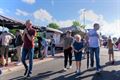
(78, 47)
(110, 51)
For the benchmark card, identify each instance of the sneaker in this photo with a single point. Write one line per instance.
(99, 70)
(65, 69)
(70, 67)
(25, 72)
(112, 62)
(78, 71)
(28, 75)
(0, 72)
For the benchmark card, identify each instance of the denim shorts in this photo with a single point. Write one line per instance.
(78, 56)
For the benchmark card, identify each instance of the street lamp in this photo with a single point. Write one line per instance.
(84, 10)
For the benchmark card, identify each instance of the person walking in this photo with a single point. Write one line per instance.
(67, 46)
(18, 44)
(52, 46)
(40, 48)
(94, 43)
(6, 39)
(78, 48)
(110, 51)
(28, 47)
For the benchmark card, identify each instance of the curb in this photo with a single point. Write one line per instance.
(20, 67)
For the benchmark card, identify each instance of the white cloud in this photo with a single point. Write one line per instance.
(29, 1)
(112, 28)
(21, 13)
(89, 15)
(4, 11)
(42, 15)
(64, 23)
(107, 28)
(1, 11)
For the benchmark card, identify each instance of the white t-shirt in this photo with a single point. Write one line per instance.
(5, 38)
(93, 38)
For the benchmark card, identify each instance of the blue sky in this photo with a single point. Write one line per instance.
(63, 12)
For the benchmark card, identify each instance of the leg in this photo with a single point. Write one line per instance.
(112, 56)
(70, 58)
(24, 54)
(79, 67)
(6, 54)
(52, 51)
(19, 53)
(65, 58)
(76, 65)
(2, 59)
(39, 53)
(92, 56)
(31, 54)
(97, 58)
(87, 60)
(2, 55)
(109, 57)
(46, 53)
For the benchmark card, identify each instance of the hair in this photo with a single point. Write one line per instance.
(28, 21)
(17, 30)
(51, 36)
(78, 36)
(96, 24)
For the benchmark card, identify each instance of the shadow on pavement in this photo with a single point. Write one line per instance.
(104, 75)
(45, 75)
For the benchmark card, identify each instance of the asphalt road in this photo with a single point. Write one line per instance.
(53, 70)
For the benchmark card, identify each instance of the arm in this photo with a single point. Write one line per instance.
(81, 49)
(29, 37)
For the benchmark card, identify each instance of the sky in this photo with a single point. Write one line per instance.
(64, 12)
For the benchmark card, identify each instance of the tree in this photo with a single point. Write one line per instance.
(76, 23)
(53, 25)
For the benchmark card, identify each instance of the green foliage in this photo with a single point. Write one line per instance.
(53, 25)
(76, 23)
(13, 31)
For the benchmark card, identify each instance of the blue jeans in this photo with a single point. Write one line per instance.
(30, 54)
(95, 51)
(52, 51)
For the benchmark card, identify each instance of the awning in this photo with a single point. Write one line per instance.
(10, 23)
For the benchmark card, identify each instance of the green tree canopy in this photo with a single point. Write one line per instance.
(76, 23)
(53, 25)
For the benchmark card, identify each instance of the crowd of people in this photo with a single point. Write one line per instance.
(24, 43)
(76, 45)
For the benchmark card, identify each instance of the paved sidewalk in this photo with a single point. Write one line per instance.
(13, 67)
